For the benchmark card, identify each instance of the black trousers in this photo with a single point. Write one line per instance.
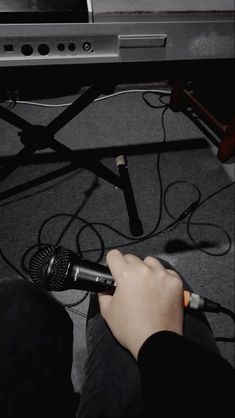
(36, 344)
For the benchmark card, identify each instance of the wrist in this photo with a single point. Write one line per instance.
(136, 344)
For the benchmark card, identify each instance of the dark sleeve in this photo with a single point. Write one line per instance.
(179, 376)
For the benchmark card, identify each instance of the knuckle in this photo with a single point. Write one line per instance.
(128, 256)
(114, 251)
(150, 259)
(177, 282)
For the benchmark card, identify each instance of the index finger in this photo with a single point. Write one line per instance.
(116, 262)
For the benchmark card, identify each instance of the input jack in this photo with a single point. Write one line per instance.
(86, 46)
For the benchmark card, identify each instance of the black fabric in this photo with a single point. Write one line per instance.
(179, 376)
(35, 353)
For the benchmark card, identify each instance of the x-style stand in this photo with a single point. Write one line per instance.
(37, 137)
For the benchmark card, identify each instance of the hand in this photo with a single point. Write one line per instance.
(148, 298)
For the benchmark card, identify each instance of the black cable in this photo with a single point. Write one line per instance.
(77, 312)
(190, 211)
(77, 302)
(189, 223)
(88, 193)
(231, 314)
(191, 207)
(75, 217)
(159, 96)
(12, 104)
(187, 212)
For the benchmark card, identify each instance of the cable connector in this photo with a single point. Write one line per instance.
(13, 93)
(195, 301)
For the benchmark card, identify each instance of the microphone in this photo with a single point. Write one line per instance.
(57, 269)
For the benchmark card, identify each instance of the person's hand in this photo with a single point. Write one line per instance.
(148, 298)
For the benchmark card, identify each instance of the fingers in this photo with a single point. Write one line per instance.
(153, 262)
(116, 262)
(115, 257)
(130, 258)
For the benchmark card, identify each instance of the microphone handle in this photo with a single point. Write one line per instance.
(90, 276)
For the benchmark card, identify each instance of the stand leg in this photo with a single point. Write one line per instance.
(181, 98)
(74, 109)
(176, 96)
(226, 148)
(13, 119)
(134, 220)
(25, 153)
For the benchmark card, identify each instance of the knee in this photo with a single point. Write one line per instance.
(20, 299)
(15, 290)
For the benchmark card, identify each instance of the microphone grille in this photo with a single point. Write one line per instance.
(40, 263)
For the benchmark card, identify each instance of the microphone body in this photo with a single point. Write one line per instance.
(57, 269)
(86, 275)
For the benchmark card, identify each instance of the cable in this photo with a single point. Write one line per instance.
(190, 212)
(88, 193)
(74, 217)
(189, 223)
(76, 312)
(192, 206)
(164, 92)
(11, 105)
(152, 92)
(77, 302)
(231, 314)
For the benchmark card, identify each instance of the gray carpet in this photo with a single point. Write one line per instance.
(187, 159)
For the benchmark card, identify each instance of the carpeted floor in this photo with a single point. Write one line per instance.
(185, 163)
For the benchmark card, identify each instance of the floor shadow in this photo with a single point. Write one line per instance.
(180, 246)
